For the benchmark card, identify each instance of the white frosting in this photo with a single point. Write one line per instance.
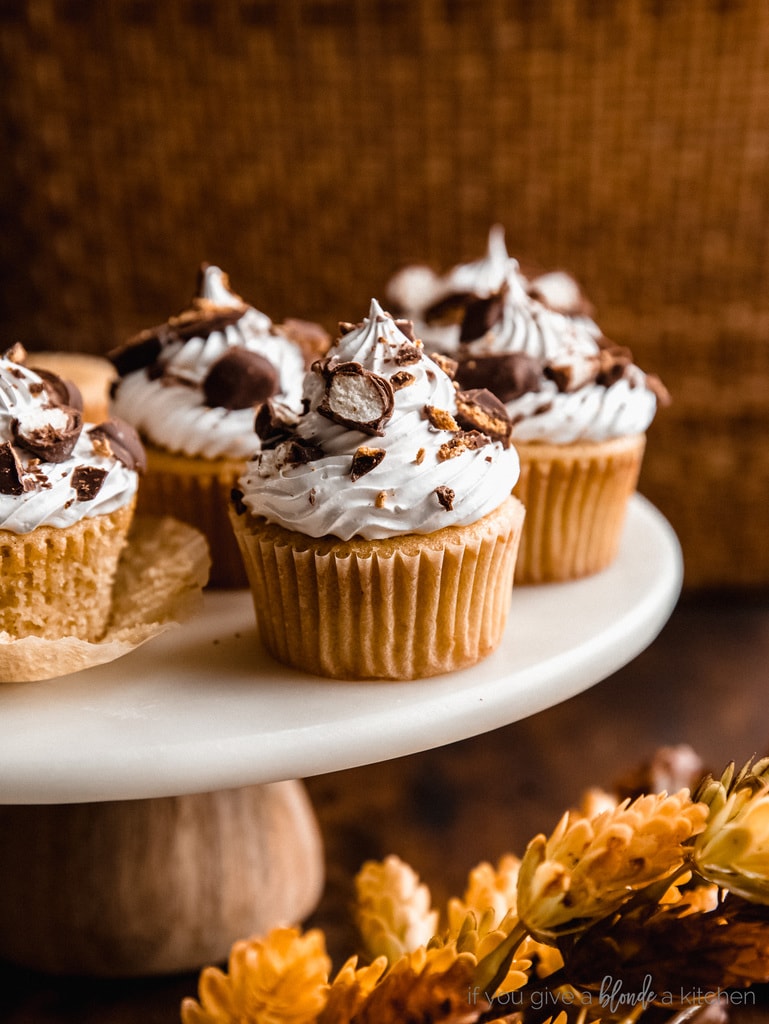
(416, 289)
(52, 499)
(171, 412)
(399, 495)
(587, 411)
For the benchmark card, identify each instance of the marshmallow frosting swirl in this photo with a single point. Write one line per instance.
(82, 476)
(165, 396)
(376, 459)
(586, 389)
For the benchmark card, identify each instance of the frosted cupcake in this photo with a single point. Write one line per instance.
(580, 409)
(67, 496)
(378, 527)
(190, 387)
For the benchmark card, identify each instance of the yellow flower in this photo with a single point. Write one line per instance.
(733, 850)
(590, 866)
(426, 985)
(393, 909)
(350, 989)
(280, 979)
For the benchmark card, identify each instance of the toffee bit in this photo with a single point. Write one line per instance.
(463, 441)
(16, 353)
(420, 457)
(479, 409)
(441, 419)
(364, 460)
(445, 497)
(408, 353)
(402, 379)
(380, 499)
(446, 363)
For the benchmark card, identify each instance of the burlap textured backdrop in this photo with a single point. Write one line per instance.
(313, 146)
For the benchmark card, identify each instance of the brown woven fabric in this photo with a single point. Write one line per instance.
(313, 146)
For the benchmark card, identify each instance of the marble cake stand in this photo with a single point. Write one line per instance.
(151, 809)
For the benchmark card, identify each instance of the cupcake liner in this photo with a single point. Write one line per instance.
(159, 582)
(576, 498)
(58, 581)
(401, 608)
(197, 491)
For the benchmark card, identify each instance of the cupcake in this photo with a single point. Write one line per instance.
(378, 527)
(67, 497)
(435, 302)
(580, 409)
(190, 387)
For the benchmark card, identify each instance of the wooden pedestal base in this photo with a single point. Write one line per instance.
(154, 886)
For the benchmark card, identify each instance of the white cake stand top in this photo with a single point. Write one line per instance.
(203, 707)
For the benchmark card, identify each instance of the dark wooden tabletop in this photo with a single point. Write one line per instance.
(704, 682)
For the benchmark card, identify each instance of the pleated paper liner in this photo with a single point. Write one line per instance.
(159, 582)
(57, 581)
(576, 500)
(401, 608)
(197, 491)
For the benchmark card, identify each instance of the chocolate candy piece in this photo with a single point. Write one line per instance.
(445, 497)
(480, 315)
(240, 379)
(87, 481)
(508, 375)
(480, 410)
(356, 397)
(51, 442)
(59, 390)
(118, 438)
(11, 481)
(364, 460)
(274, 423)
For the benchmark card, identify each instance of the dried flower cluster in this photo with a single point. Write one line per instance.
(650, 902)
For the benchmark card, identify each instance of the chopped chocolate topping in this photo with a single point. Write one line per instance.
(614, 361)
(463, 441)
(406, 327)
(481, 410)
(118, 438)
(407, 354)
(441, 419)
(364, 460)
(449, 310)
(16, 353)
(345, 328)
(301, 451)
(274, 423)
(508, 375)
(569, 376)
(402, 379)
(312, 496)
(446, 363)
(140, 352)
(655, 385)
(11, 471)
(87, 481)
(355, 397)
(59, 390)
(48, 442)
(240, 379)
(144, 348)
(236, 497)
(480, 316)
(445, 497)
